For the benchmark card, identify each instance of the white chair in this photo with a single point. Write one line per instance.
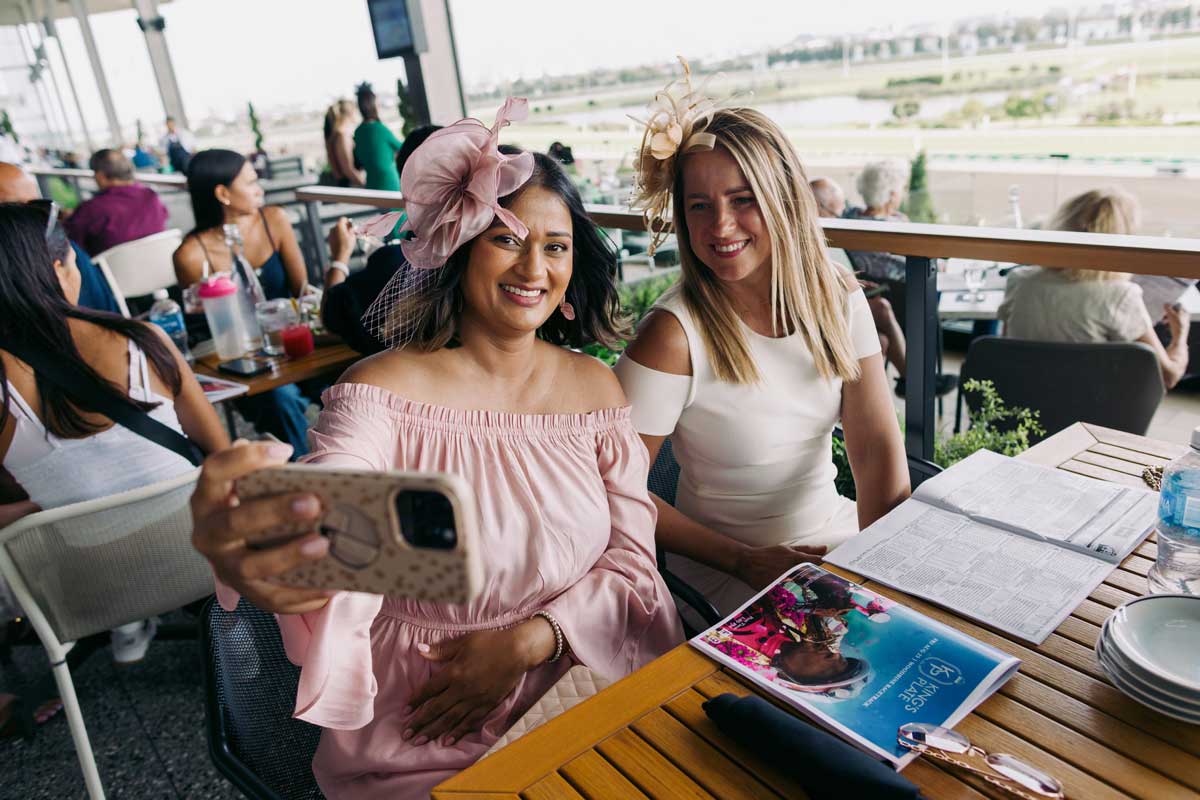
(89, 567)
(139, 267)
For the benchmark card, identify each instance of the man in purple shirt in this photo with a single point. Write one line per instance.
(120, 212)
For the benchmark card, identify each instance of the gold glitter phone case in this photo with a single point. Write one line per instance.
(365, 515)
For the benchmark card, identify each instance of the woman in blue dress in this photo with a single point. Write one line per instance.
(224, 189)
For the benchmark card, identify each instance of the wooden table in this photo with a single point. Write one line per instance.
(326, 359)
(321, 361)
(647, 736)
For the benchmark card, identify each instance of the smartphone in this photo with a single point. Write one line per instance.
(244, 367)
(408, 534)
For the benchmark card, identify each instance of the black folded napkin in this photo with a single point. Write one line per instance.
(823, 764)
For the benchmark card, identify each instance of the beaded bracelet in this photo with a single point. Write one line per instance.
(559, 641)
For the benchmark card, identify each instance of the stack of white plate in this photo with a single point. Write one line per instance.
(1150, 650)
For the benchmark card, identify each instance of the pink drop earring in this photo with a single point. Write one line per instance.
(567, 310)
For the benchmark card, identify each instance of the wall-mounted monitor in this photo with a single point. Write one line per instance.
(393, 28)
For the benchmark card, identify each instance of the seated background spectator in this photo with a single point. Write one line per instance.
(831, 202)
(18, 186)
(882, 185)
(122, 211)
(1083, 305)
(53, 444)
(347, 297)
(224, 189)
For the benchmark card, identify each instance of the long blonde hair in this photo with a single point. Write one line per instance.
(808, 292)
(1109, 210)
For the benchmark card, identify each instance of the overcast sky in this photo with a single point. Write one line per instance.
(279, 52)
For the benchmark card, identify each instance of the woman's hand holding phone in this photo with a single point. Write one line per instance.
(481, 669)
(225, 529)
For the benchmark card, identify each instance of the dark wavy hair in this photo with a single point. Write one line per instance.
(592, 289)
(34, 314)
(208, 170)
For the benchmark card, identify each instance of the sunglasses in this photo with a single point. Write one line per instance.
(51, 209)
(1000, 769)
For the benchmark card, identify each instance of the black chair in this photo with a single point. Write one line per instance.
(662, 481)
(250, 689)
(1115, 384)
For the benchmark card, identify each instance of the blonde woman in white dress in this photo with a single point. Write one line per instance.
(748, 363)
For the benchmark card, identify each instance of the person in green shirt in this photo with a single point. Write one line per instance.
(375, 146)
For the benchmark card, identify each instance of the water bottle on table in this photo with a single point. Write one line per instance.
(165, 314)
(1177, 570)
(250, 290)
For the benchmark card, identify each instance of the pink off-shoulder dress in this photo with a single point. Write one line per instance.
(567, 526)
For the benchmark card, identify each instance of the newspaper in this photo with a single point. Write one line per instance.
(1008, 543)
(1161, 290)
(858, 664)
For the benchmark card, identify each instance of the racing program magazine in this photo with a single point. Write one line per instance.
(856, 663)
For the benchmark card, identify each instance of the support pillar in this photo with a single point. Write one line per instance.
(89, 43)
(152, 25)
(432, 76)
(38, 85)
(40, 54)
(921, 325)
(52, 32)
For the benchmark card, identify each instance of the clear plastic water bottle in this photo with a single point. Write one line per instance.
(165, 314)
(249, 287)
(1177, 570)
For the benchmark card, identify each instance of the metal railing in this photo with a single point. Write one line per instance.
(920, 244)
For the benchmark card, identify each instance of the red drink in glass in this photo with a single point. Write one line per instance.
(297, 341)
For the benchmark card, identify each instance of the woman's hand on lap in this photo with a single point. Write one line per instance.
(481, 669)
(223, 528)
(759, 566)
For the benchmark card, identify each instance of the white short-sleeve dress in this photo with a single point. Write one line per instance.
(755, 459)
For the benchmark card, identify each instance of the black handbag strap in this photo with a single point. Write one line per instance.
(74, 381)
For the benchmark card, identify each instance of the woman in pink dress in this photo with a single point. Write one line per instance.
(411, 692)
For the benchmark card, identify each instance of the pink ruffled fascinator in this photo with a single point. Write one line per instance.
(674, 126)
(452, 185)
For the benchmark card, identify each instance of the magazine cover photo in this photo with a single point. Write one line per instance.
(862, 664)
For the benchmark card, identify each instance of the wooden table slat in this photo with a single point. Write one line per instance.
(1147, 549)
(1101, 473)
(995, 739)
(698, 759)
(1127, 581)
(1111, 596)
(687, 709)
(1082, 751)
(1167, 451)
(551, 787)
(1125, 454)
(1137, 565)
(946, 783)
(1093, 612)
(1079, 630)
(646, 767)
(596, 779)
(1109, 462)
(1098, 726)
